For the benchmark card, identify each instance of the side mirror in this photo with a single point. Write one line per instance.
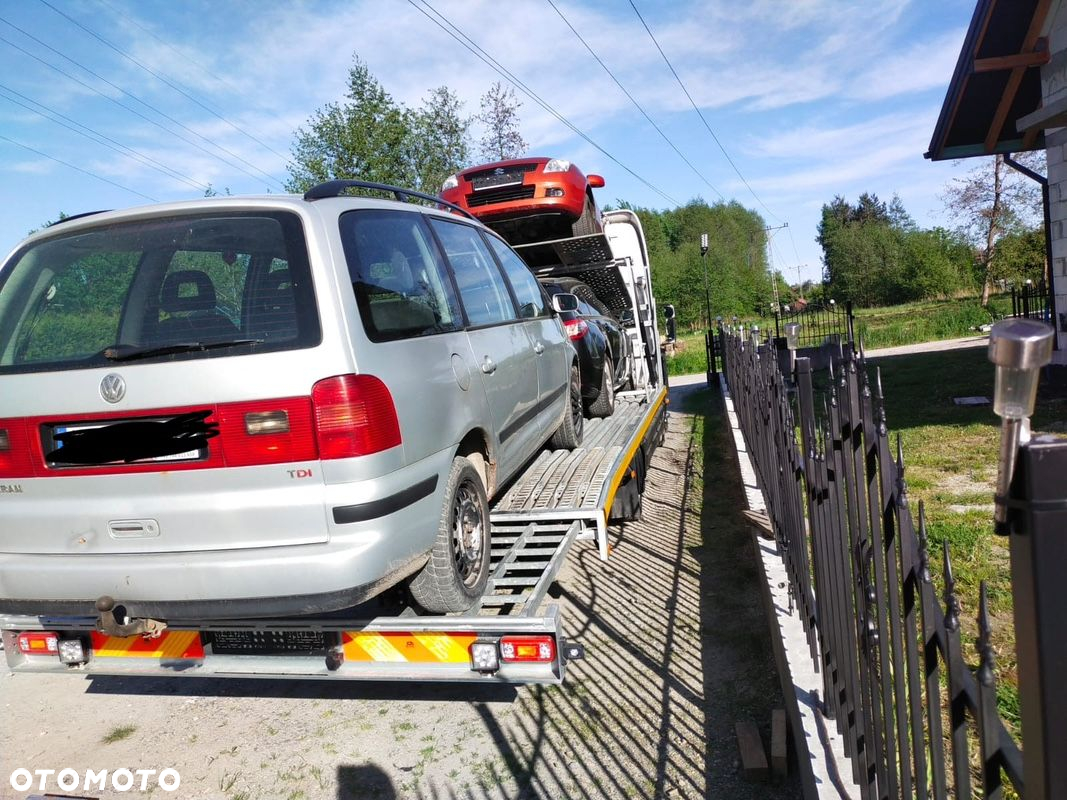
(564, 302)
(595, 181)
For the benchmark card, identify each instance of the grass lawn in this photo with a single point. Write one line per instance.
(950, 453)
(889, 326)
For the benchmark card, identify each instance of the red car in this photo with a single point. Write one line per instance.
(528, 199)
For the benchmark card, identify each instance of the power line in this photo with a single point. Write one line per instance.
(700, 114)
(637, 105)
(106, 141)
(79, 169)
(794, 243)
(122, 105)
(175, 86)
(237, 90)
(470, 45)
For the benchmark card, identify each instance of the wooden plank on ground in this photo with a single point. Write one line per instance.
(753, 757)
(779, 752)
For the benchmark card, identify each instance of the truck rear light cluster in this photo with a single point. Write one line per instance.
(354, 416)
(576, 328)
(528, 649)
(38, 643)
(47, 643)
(488, 654)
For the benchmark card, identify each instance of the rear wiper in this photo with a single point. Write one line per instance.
(129, 352)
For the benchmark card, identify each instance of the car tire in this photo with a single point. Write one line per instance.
(604, 405)
(568, 435)
(456, 574)
(586, 223)
(628, 374)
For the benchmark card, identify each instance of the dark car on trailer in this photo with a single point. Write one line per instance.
(602, 345)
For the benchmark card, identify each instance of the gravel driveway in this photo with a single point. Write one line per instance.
(676, 654)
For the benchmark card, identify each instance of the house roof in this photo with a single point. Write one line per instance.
(996, 83)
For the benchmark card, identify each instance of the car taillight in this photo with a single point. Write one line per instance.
(576, 328)
(267, 431)
(530, 649)
(38, 643)
(15, 457)
(354, 416)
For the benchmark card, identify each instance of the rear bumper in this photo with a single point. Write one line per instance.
(372, 545)
(219, 607)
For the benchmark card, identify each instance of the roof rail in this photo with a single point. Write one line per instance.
(335, 188)
(77, 216)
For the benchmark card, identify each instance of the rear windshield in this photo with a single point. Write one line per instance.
(172, 288)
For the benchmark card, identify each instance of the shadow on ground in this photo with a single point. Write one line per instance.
(677, 653)
(676, 642)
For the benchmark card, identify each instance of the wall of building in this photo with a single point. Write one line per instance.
(1057, 182)
(1053, 88)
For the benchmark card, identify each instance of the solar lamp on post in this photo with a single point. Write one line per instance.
(707, 292)
(792, 341)
(1019, 348)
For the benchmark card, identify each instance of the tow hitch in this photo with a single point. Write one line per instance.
(106, 622)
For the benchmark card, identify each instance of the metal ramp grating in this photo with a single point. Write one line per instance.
(560, 481)
(524, 561)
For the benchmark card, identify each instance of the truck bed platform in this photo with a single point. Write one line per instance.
(581, 484)
(562, 495)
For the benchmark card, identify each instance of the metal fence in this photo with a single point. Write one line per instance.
(1031, 301)
(820, 324)
(913, 715)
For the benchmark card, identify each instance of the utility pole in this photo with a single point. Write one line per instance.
(774, 278)
(800, 281)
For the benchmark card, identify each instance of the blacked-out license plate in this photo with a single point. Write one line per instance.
(493, 181)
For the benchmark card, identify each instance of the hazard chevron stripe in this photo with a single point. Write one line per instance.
(404, 647)
(171, 644)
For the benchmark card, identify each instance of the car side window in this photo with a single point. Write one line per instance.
(402, 289)
(587, 310)
(482, 288)
(527, 290)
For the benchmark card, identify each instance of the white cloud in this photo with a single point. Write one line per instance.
(40, 166)
(924, 65)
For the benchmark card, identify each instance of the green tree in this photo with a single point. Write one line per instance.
(441, 137)
(991, 201)
(62, 216)
(500, 116)
(738, 279)
(369, 137)
(937, 262)
(875, 254)
(1021, 256)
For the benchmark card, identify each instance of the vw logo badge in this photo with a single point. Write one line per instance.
(112, 388)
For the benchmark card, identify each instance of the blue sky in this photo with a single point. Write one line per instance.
(810, 98)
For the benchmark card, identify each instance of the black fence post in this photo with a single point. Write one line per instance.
(888, 648)
(1038, 545)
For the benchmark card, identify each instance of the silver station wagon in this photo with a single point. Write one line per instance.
(267, 406)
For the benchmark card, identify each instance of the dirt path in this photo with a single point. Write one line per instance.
(931, 347)
(676, 653)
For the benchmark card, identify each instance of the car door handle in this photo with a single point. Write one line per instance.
(539, 348)
(488, 366)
